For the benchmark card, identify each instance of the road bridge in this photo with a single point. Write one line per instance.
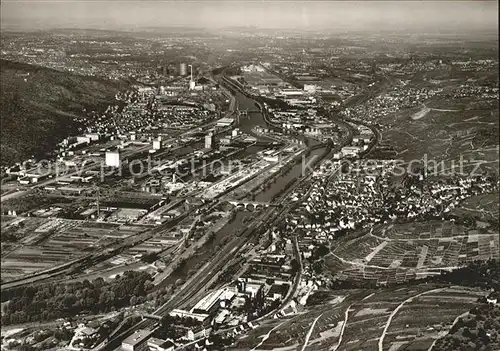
(151, 316)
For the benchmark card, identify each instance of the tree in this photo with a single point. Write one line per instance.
(149, 257)
(321, 251)
(59, 300)
(295, 266)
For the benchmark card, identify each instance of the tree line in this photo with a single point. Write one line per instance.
(56, 300)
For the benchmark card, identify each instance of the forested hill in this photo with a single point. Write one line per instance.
(38, 106)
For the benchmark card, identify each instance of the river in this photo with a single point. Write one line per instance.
(257, 119)
(242, 217)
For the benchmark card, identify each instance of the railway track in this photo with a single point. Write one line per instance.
(223, 258)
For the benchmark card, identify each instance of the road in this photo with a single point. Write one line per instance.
(343, 328)
(203, 278)
(12, 195)
(309, 333)
(396, 310)
(135, 238)
(452, 325)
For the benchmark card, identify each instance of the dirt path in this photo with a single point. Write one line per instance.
(309, 333)
(396, 310)
(454, 322)
(343, 328)
(265, 337)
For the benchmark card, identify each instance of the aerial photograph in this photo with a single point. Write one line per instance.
(249, 175)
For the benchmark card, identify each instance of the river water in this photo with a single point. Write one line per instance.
(257, 119)
(242, 217)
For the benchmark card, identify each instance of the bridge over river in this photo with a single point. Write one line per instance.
(250, 205)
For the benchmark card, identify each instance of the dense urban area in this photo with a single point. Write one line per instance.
(243, 189)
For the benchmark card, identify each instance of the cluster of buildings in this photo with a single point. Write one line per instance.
(103, 56)
(260, 288)
(477, 91)
(398, 98)
(63, 334)
(300, 70)
(253, 68)
(365, 195)
(142, 340)
(233, 307)
(303, 121)
(261, 80)
(360, 143)
(143, 110)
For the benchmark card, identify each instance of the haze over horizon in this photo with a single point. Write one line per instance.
(429, 16)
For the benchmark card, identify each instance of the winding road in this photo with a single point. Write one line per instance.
(396, 310)
(309, 333)
(265, 337)
(343, 328)
(454, 322)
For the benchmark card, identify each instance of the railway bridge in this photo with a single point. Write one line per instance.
(249, 205)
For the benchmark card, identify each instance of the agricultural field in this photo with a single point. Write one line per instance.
(43, 243)
(407, 318)
(397, 253)
(398, 319)
(483, 208)
(290, 333)
(449, 130)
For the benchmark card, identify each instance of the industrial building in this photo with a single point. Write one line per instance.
(137, 341)
(183, 69)
(248, 287)
(310, 88)
(213, 301)
(209, 141)
(350, 151)
(156, 344)
(157, 144)
(113, 158)
(183, 313)
(225, 122)
(192, 83)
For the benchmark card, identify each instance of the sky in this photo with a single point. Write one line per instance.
(429, 16)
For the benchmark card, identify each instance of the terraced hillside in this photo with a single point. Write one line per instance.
(397, 253)
(407, 318)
